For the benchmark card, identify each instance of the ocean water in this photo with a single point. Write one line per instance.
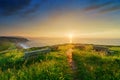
(38, 42)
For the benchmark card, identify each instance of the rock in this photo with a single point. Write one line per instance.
(101, 49)
(36, 53)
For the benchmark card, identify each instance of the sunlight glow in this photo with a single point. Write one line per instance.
(70, 38)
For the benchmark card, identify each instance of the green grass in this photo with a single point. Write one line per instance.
(51, 66)
(6, 46)
(94, 66)
(91, 65)
(116, 51)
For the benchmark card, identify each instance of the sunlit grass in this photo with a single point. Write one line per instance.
(91, 65)
(51, 66)
(94, 66)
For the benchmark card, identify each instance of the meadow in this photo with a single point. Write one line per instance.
(94, 65)
(49, 66)
(91, 64)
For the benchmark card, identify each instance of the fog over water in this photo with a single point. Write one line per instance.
(38, 42)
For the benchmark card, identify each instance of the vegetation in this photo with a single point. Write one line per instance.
(91, 64)
(51, 66)
(6, 46)
(94, 66)
(116, 51)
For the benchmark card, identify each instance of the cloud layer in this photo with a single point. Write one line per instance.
(10, 7)
(26, 8)
(103, 6)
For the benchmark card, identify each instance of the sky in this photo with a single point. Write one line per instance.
(59, 18)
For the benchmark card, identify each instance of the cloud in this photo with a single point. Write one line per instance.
(110, 9)
(35, 8)
(103, 7)
(93, 1)
(10, 7)
(96, 6)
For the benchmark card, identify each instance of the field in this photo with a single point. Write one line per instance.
(54, 65)
(50, 66)
(94, 66)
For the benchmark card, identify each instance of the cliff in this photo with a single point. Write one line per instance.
(12, 42)
(13, 39)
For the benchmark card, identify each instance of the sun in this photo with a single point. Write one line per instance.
(70, 36)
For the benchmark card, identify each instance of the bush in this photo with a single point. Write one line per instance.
(6, 45)
(88, 47)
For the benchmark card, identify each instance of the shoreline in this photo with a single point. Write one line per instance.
(73, 44)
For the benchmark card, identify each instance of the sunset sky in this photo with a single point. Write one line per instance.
(59, 18)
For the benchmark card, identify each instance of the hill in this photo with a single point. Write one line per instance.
(11, 42)
(13, 39)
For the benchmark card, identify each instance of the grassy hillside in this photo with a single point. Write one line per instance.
(7, 43)
(51, 66)
(97, 65)
(6, 46)
(91, 64)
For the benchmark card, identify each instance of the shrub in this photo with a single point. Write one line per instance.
(6, 45)
(88, 47)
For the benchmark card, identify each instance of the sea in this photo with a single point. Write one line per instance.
(39, 42)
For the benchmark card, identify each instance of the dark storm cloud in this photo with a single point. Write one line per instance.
(10, 7)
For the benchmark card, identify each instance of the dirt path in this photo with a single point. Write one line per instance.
(72, 63)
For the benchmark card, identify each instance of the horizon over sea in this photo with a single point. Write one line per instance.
(39, 42)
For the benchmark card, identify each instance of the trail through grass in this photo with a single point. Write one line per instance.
(51, 66)
(64, 62)
(93, 66)
(71, 62)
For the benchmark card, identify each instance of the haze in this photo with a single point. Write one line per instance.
(58, 18)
